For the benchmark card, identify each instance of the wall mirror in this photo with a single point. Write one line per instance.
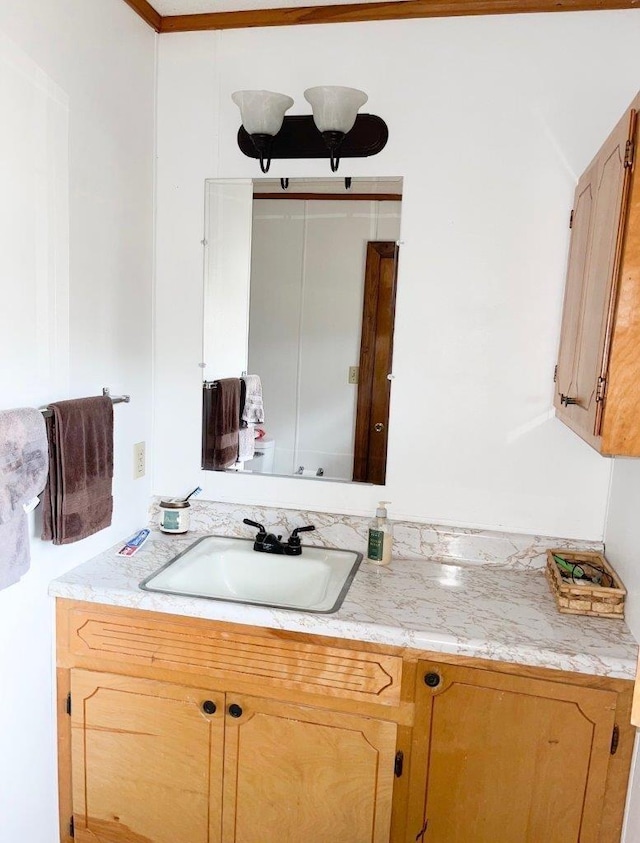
(299, 288)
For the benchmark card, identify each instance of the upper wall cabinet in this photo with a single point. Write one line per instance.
(597, 378)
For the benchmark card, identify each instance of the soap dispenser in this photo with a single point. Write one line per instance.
(380, 537)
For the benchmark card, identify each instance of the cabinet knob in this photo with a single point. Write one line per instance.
(235, 710)
(432, 679)
(564, 399)
(378, 427)
(209, 707)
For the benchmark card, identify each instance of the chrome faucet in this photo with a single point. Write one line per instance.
(270, 543)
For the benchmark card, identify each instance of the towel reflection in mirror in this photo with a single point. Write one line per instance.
(231, 407)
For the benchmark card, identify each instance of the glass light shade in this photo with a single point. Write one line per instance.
(335, 108)
(262, 112)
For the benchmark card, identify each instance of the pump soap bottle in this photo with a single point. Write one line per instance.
(380, 537)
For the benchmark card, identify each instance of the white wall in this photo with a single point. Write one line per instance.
(491, 121)
(622, 548)
(622, 534)
(77, 96)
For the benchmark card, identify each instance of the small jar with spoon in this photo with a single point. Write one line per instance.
(174, 514)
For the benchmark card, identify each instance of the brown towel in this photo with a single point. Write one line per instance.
(77, 500)
(220, 424)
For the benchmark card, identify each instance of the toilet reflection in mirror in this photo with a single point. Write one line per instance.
(299, 289)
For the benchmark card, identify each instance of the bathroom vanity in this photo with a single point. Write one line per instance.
(438, 703)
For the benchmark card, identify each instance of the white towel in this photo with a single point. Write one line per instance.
(24, 463)
(246, 443)
(253, 410)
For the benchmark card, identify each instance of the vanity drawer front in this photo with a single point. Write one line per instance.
(224, 653)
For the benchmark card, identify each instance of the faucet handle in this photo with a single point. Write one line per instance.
(254, 524)
(293, 546)
(258, 542)
(307, 529)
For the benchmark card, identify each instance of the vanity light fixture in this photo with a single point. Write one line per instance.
(335, 130)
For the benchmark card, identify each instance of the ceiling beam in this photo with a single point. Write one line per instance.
(146, 12)
(391, 10)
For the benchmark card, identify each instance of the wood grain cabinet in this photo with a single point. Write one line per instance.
(598, 370)
(147, 760)
(178, 729)
(166, 744)
(153, 761)
(504, 758)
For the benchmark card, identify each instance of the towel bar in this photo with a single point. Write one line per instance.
(214, 384)
(116, 399)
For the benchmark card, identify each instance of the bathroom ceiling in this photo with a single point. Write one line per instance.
(190, 15)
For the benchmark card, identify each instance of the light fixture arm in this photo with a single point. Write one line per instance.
(333, 142)
(263, 144)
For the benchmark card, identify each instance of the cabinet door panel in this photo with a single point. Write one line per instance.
(295, 774)
(589, 300)
(146, 761)
(601, 269)
(571, 315)
(507, 759)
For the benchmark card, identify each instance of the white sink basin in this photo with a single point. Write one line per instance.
(223, 568)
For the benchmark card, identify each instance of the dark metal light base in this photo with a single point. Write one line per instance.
(299, 138)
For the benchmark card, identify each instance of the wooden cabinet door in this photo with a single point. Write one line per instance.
(300, 775)
(571, 331)
(498, 758)
(594, 256)
(146, 761)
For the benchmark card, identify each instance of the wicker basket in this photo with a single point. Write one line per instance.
(588, 599)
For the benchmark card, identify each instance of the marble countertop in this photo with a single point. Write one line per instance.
(480, 611)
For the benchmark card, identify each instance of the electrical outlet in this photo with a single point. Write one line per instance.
(138, 460)
(354, 371)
